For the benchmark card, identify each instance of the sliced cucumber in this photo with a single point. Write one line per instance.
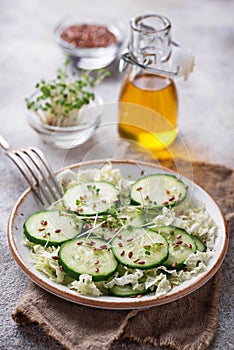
(51, 227)
(90, 198)
(105, 233)
(200, 245)
(87, 256)
(158, 190)
(126, 291)
(140, 248)
(133, 216)
(181, 245)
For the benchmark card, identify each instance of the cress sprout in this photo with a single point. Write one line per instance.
(59, 99)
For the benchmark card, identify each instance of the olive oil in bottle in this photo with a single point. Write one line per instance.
(148, 99)
(154, 126)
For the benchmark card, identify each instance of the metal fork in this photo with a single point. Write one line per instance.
(36, 170)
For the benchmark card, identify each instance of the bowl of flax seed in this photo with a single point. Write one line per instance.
(93, 43)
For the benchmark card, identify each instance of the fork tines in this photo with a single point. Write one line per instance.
(34, 167)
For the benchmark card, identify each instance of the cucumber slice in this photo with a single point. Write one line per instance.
(158, 190)
(51, 228)
(126, 291)
(87, 256)
(201, 247)
(104, 233)
(140, 248)
(181, 245)
(90, 198)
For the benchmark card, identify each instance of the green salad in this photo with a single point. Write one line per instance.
(113, 236)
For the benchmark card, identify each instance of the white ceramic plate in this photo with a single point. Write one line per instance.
(27, 204)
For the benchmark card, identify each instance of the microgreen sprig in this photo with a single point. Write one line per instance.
(59, 99)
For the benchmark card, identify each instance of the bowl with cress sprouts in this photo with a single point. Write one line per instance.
(65, 111)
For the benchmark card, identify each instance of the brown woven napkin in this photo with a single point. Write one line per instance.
(185, 324)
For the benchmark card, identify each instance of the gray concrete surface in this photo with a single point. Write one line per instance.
(206, 123)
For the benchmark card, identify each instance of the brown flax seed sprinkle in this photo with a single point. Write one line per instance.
(88, 36)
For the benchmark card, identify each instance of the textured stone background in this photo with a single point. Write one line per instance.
(29, 53)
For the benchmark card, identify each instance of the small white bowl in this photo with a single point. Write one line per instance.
(91, 57)
(66, 137)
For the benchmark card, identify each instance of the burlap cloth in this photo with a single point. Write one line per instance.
(185, 324)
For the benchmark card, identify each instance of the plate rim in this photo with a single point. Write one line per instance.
(123, 303)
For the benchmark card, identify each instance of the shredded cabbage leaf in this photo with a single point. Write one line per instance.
(127, 278)
(46, 261)
(195, 221)
(85, 286)
(161, 282)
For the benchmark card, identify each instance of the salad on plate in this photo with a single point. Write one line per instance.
(113, 236)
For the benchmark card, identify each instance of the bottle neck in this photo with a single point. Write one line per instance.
(150, 46)
(152, 49)
(150, 39)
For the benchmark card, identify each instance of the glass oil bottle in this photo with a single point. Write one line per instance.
(148, 108)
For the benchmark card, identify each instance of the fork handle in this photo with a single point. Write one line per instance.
(3, 143)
